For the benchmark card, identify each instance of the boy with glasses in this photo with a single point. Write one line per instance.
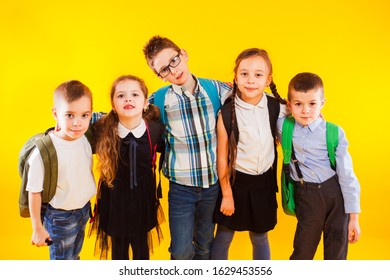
(189, 107)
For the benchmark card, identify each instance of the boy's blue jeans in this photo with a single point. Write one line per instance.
(224, 237)
(66, 229)
(191, 221)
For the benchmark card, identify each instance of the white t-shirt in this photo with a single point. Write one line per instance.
(255, 147)
(76, 183)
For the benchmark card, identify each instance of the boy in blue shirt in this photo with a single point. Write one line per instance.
(328, 202)
(190, 155)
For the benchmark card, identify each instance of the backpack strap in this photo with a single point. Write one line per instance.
(273, 112)
(332, 140)
(50, 163)
(287, 133)
(332, 137)
(159, 99)
(151, 147)
(212, 92)
(154, 133)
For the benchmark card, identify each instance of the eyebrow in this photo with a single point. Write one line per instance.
(170, 60)
(72, 112)
(257, 70)
(297, 100)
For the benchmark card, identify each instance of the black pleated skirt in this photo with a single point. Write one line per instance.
(254, 202)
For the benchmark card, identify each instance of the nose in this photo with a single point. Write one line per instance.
(305, 109)
(76, 121)
(173, 70)
(250, 79)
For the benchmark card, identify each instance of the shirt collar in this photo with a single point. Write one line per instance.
(313, 126)
(180, 90)
(137, 132)
(262, 103)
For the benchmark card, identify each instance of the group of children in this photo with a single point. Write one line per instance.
(218, 145)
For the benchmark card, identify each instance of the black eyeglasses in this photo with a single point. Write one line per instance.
(175, 61)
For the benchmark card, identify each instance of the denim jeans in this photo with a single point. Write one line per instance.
(224, 237)
(66, 229)
(191, 221)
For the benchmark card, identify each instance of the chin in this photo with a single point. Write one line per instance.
(305, 122)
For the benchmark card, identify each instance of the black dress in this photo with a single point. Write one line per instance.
(130, 208)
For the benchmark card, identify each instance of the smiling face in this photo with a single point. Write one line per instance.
(306, 106)
(72, 117)
(173, 62)
(252, 77)
(129, 100)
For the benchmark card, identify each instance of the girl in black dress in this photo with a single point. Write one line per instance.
(128, 211)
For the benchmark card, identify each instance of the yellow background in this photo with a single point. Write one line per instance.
(44, 43)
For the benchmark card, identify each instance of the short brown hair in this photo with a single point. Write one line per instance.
(155, 45)
(71, 91)
(305, 82)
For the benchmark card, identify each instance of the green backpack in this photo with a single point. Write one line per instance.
(44, 144)
(288, 185)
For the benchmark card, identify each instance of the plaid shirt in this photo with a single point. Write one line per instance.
(96, 116)
(191, 139)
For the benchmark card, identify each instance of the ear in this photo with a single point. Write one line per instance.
(54, 112)
(269, 80)
(288, 104)
(184, 54)
(146, 104)
(323, 102)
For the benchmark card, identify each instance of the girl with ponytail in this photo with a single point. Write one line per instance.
(246, 156)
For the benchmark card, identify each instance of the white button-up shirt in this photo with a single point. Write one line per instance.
(255, 147)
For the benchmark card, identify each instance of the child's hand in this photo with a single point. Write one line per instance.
(227, 206)
(40, 237)
(353, 228)
(230, 84)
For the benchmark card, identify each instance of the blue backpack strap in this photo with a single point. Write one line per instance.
(159, 99)
(212, 92)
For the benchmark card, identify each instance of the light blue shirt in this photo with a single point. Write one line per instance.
(312, 154)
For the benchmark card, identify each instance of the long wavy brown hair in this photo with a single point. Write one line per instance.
(108, 141)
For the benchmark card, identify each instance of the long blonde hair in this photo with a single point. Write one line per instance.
(108, 141)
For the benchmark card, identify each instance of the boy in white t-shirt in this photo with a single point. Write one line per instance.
(68, 212)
